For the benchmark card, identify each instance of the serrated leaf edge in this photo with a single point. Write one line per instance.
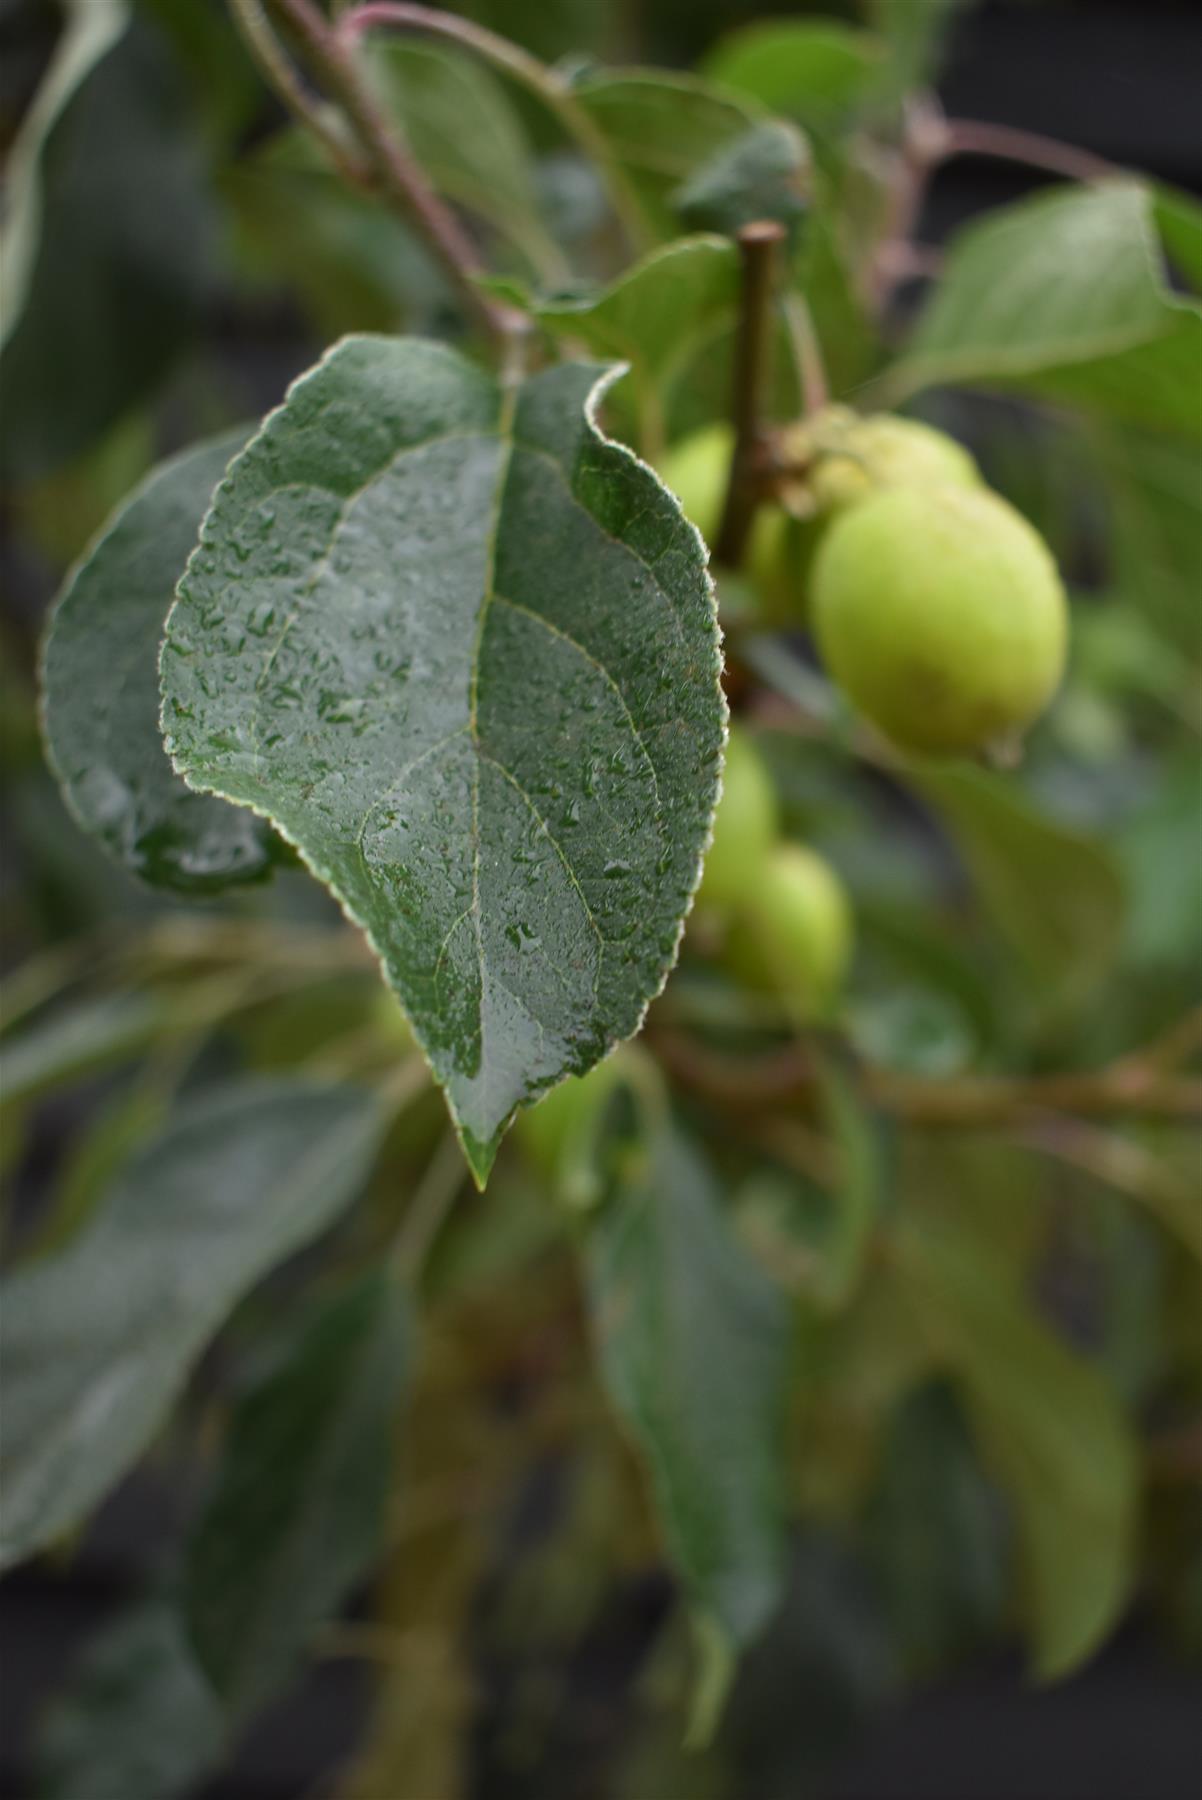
(606, 377)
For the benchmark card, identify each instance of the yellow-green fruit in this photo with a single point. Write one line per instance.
(697, 469)
(745, 825)
(793, 934)
(941, 614)
(856, 457)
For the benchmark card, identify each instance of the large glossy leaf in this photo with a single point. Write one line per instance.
(1054, 1432)
(103, 738)
(694, 1345)
(137, 1718)
(97, 1341)
(1062, 296)
(660, 128)
(123, 259)
(659, 317)
(463, 652)
(299, 1507)
(1057, 896)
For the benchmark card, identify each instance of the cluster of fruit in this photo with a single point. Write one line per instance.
(937, 610)
(935, 607)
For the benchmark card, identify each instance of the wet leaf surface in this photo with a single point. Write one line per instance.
(463, 652)
(103, 739)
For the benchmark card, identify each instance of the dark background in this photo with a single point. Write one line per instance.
(1125, 81)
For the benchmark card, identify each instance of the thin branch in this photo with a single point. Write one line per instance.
(397, 174)
(544, 83)
(914, 162)
(976, 137)
(758, 244)
(760, 1083)
(267, 51)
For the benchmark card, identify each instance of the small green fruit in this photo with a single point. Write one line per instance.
(558, 1132)
(941, 614)
(793, 934)
(745, 825)
(856, 457)
(697, 469)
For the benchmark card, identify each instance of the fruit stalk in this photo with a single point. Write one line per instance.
(758, 244)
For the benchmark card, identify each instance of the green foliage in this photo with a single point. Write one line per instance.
(139, 1718)
(527, 941)
(115, 234)
(298, 1510)
(1053, 1430)
(1055, 893)
(108, 754)
(1061, 296)
(705, 1407)
(98, 1339)
(885, 1266)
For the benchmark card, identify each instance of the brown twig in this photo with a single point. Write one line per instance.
(387, 162)
(758, 244)
(977, 137)
(544, 83)
(1123, 1089)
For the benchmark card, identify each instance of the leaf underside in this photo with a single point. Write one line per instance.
(463, 651)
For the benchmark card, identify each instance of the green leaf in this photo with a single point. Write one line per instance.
(300, 1503)
(911, 35)
(1154, 511)
(299, 226)
(1164, 879)
(103, 740)
(97, 1342)
(1053, 1431)
(933, 1533)
(1055, 895)
(137, 1719)
(811, 71)
(765, 174)
(659, 317)
(1179, 221)
(661, 128)
(462, 129)
(69, 1043)
(859, 1180)
(124, 253)
(462, 650)
(91, 29)
(694, 1342)
(848, 340)
(1063, 296)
